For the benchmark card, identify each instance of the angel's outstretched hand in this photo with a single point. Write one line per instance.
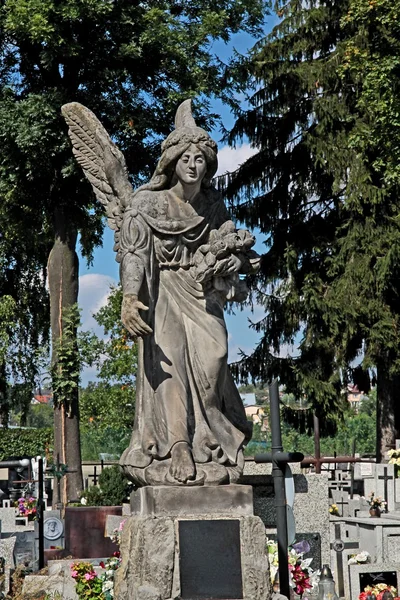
(131, 318)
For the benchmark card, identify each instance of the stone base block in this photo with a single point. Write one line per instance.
(202, 556)
(177, 501)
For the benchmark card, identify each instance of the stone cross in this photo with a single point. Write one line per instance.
(385, 478)
(338, 546)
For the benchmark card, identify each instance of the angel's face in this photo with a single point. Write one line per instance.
(191, 166)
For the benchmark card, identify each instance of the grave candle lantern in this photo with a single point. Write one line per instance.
(326, 586)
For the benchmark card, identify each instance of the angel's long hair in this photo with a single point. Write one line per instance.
(173, 148)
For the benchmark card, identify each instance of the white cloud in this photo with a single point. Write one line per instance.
(94, 290)
(229, 159)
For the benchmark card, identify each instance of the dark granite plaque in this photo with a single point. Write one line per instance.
(372, 579)
(210, 565)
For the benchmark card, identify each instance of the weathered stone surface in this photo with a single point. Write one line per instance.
(49, 584)
(146, 592)
(147, 549)
(113, 522)
(178, 501)
(151, 558)
(181, 260)
(255, 565)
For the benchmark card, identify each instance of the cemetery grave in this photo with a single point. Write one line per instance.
(331, 539)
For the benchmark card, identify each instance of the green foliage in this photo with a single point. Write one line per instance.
(113, 489)
(93, 496)
(109, 403)
(40, 416)
(368, 404)
(25, 442)
(66, 370)
(114, 486)
(324, 189)
(359, 427)
(96, 440)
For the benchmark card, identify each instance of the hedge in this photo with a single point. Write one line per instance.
(25, 442)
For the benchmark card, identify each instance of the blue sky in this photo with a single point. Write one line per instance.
(95, 281)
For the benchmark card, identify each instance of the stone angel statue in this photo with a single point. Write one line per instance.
(181, 258)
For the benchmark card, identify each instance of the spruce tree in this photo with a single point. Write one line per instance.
(324, 188)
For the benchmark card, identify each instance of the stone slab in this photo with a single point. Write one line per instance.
(85, 528)
(7, 552)
(64, 586)
(228, 500)
(11, 522)
(113, 522)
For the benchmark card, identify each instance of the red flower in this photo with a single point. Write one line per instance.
(117, 554)
(102, 565)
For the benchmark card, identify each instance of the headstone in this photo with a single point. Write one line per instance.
(341, 499)
(11, 522)
(341, 547)
(25, 550)
(372, 574)
(53, 529)
(7, 552)
(383, 484)
(210, 567)
(80, 521)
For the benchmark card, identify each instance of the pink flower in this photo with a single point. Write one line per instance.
(89, 576)
(74, 574)
(121, 525)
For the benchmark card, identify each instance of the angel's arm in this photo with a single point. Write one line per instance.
(135, 252)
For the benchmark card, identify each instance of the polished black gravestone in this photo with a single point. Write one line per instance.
(372, 579)
(210, 565)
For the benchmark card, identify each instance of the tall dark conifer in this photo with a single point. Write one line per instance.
(320, 190)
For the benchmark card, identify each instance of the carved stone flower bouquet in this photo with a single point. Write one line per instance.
(227, 255)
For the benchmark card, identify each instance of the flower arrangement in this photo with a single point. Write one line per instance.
(107, 577)
(375, 501)
(394, 459)
(333, 510)
(116, 536)
(378, 591)
(302, 576)
(27, 507)
(359, 559)
(89, 585)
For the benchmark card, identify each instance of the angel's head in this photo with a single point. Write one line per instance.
(182, 140)
(166, 171)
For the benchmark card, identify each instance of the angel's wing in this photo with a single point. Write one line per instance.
(103, 164)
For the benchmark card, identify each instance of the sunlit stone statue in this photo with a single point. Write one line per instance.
(181, 259)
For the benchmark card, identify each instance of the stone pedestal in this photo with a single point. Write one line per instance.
(193, 543)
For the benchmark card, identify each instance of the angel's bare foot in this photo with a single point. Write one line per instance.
(182, 466)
